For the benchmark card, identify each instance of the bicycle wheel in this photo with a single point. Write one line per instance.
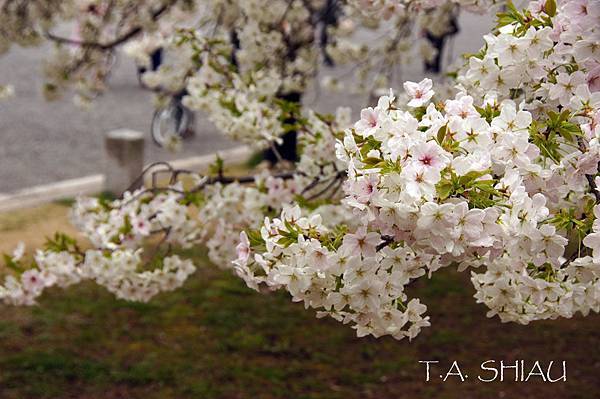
(171, 119)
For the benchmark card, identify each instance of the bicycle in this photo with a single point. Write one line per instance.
(174, 118)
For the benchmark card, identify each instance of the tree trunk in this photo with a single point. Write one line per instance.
(435, 65)
(288, 149)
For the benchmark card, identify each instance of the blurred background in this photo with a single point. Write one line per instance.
(44, 141)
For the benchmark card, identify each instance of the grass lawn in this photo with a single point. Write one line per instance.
(217, 339)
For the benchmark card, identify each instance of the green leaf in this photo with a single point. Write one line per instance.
(444, 189)
(216, 168)
(230, 105)
(511, 15)
(441, 134)
(60, 242)
(469, 178)
(193, 198)
(550, 7)
(11, 264)
(255, 238)
(371, 161)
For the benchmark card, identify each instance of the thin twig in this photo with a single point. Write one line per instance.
(113, 43)
(387, 240)
(334, 179)
(590, 178)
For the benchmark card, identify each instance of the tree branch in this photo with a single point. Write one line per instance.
(593, 186)
(387, 240)
(113, 43)
(590, 178)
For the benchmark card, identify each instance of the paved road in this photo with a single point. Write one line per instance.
(42, 142)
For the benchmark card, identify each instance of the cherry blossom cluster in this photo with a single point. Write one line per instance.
(63, 264)
(502, 178)
(344, 275)
(83, 58)
(23, 287)
(398, 36)
(245, 68)
(117, 231)
(241, 65)
(137, 242)
(282, 32)
(238, 60)
(241, 105)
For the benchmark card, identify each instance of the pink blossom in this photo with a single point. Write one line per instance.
(420, 93)
(462, 107)
(140, 226)
(362, 243)
(365, 188)
(243, 249)
(429, 155)
(368, 123)
(593, 79)
(33, 281)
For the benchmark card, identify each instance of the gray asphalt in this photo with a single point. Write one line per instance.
(42, 142)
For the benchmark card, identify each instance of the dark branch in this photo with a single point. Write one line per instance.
(113, 43)
(387, 240)
(593, 186)
(590, 178)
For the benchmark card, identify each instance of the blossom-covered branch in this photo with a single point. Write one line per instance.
(135, 244)
(500, 178)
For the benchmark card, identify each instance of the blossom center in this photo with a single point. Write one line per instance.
(426, 160)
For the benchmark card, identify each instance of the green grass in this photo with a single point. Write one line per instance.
(215, 338)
